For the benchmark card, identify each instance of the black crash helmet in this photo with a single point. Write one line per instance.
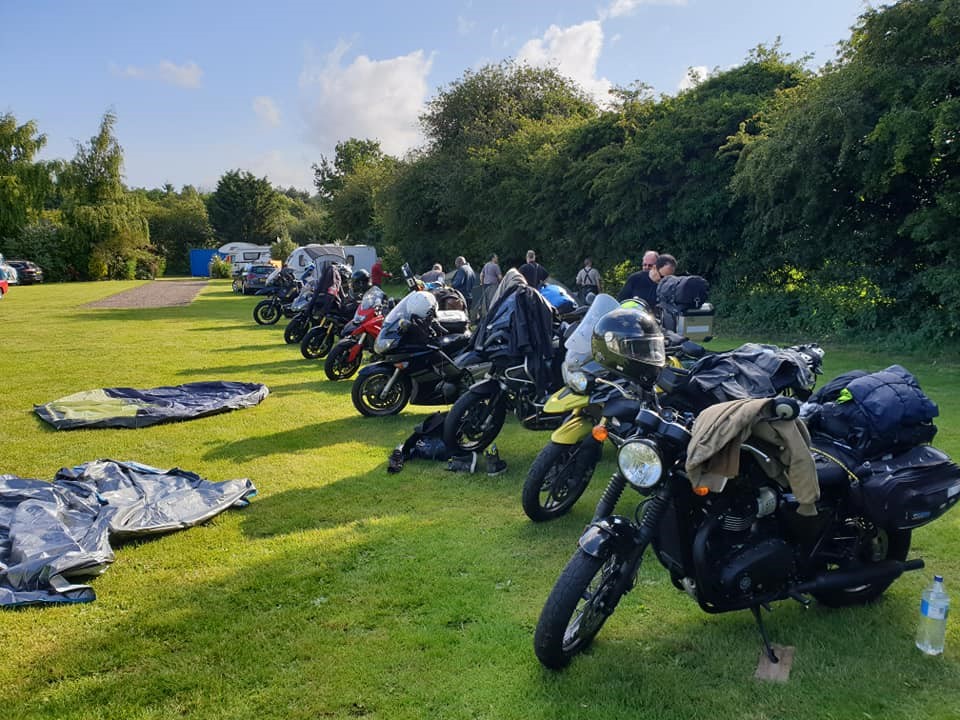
(629, 341)
(360, 282)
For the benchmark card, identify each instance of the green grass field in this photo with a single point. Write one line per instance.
(343, 591)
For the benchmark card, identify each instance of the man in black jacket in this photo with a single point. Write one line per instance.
(533, 272)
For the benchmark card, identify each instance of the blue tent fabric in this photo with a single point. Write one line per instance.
(55, 536)
(132, 408)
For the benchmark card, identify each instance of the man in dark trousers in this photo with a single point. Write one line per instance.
(464, 279)
(533, 272)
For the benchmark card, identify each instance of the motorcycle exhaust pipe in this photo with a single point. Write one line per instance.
(885, 571)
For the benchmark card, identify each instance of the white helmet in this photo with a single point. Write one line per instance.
(421, 303)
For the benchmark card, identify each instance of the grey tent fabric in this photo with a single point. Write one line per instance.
(55, 536)
(132, 408)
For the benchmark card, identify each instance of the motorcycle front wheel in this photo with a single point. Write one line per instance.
(338, 365)
(266, 312)
(295, 329)
(317, 342)
(558, 477)
(579, 604)
(473, 423)
(369, 400)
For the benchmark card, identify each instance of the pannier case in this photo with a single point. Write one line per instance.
(697, 325)
(910, 490)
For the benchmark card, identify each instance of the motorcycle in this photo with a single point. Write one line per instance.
(314, 300)
(415, 346)
(319, 339)
(477, 417)
(359, 335)
(748, 544)
(595, 399)
(281, 290)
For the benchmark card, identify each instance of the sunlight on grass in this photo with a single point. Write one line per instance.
(344, 591)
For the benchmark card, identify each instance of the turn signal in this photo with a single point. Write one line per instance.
(599, 433)
(701, 490)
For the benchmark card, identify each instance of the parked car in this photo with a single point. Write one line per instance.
(255, 278)
(27, 271)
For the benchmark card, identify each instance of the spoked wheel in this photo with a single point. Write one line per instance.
(558, 477)
(317, 342)
(295, 329)
(473, 422)
(864, 544)
(338, 365)
(579, 604)
(267, 312)
(369, 399)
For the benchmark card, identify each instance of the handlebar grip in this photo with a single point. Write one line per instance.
(786, 408)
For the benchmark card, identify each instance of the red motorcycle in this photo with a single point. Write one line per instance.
(359, 334)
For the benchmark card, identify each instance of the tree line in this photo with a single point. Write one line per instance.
(820, 202)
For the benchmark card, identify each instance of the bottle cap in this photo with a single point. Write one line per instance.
(938, 578)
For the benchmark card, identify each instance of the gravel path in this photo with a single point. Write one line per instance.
(159, 293)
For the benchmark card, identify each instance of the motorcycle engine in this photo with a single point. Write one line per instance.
(746, 554)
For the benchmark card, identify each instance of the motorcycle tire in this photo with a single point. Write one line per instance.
(317, 342)
(266, 313)
(473, 423)
(366, 394)
(558, 477)
(295, 330)
(338, 365)
(237, 287)
(579, 604)
(893, 545)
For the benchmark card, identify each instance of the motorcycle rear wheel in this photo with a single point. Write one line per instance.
(558, 477)
(338, 365)
(883, 545)
(473, 423)
(576, 608)
(317, 342)
(366, 394)
(295, 330)
(266, 312)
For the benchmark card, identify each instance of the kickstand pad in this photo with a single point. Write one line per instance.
(775, 672)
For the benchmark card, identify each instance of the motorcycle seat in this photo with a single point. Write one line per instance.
(454, 342)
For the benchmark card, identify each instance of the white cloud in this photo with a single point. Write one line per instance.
(574, 51)
(626, 7)
(694, 76)
(464, 26)
(376, 99)
(267, 110)
(283, 169)
(187, 75)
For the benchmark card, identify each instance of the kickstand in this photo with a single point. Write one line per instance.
(768, 648)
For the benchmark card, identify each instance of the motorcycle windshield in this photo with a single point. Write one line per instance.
(372, 298)
(578, 344)
(272, 277)
(303, 299)
(414, 306)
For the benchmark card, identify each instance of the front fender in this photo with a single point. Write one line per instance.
(374, 368)
(486, 388)
(604, 537)
(574, 429)
(565, 400)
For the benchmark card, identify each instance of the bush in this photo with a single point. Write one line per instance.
(220, 268)
(616, 277)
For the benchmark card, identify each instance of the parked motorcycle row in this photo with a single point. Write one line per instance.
(735, 498)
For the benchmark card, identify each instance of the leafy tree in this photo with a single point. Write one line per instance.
(313, 228)
(245, 209)
(350, 156)
(106, 232)
(282, 248)
(24, 183)
(177, 224)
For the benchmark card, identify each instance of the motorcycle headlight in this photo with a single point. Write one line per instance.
(578, 381)
(381, 345)
(639, 462)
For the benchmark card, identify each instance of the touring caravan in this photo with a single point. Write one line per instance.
(239, 254)
(316, 254)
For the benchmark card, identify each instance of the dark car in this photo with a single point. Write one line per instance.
(255, 277)
(27, 272)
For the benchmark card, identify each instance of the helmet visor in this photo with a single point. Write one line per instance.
(648, 349)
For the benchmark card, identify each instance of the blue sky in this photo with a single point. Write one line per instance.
(202, 87)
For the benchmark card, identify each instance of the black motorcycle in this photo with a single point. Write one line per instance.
(416, 345)
(281, 291)
(316, 300)
(747, 545)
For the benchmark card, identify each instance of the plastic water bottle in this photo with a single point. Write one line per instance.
(934, 606)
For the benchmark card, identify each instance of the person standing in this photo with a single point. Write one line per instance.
(377, 273)
(490, 277)
(643, 284)
(433, 275)
(533, 272)
(464, 279)
(588, 280)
